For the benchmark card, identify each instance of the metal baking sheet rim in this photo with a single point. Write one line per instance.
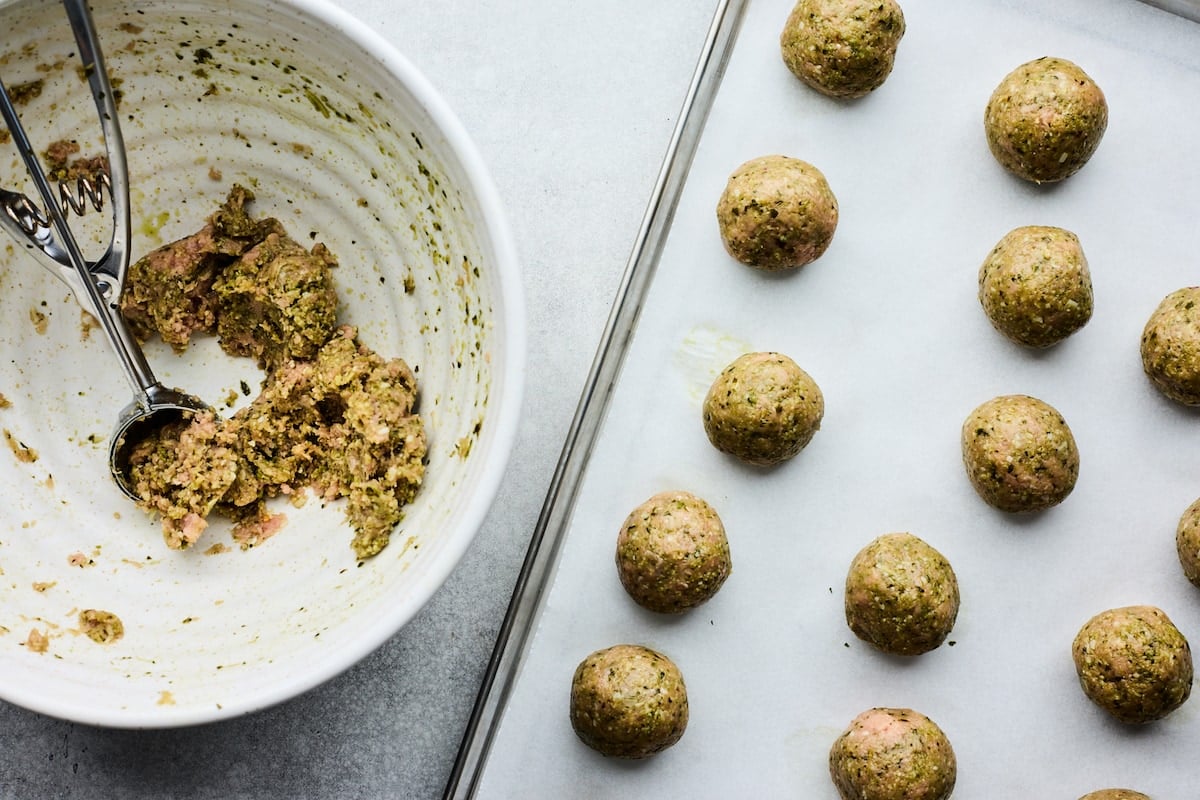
(542, 555)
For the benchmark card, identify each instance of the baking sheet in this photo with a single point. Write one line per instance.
(888, 324)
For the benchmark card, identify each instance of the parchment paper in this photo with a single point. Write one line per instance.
(889, 325)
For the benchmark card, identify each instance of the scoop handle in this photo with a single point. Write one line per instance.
(120, 338)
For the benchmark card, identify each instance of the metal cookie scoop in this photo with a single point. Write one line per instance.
(96, 285)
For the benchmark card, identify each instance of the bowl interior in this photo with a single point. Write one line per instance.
(342, 141)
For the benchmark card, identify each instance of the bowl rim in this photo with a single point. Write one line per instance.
(507, 401)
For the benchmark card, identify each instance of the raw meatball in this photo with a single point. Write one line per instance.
(1171, 346)
(1045, 120)
(842, 48)
(1115, 794)
(763, 409)
(1019, 454)
(672, 553)
(1035, 285)
(893, 754)
(901, 595)
(777, 213)
(102, 627)
(628, 701)
(1187, 542)
(1133, 663)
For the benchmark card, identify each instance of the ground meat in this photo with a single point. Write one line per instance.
(344, 423)
(276, 301)
(182, 472)
(1171, 346)
(763, 409)
(1045, 120)
(1019, 454)
(777, 212)
(672, 552)
(842, 48)
(170, 290)
(332, 414)
(373, 441)
(893, 754)
(901, 595)
(1133, 663)
(628, 701)
(1035, 286)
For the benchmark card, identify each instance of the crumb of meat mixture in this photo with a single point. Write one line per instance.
(23, 93)
(24, 453)
(102, 627)
(58, 154)
(61, 164)
(38, 641)
(332, 415)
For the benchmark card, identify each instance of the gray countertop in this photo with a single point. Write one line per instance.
(572, 106)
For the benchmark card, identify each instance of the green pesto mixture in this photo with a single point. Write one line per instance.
(332, 416)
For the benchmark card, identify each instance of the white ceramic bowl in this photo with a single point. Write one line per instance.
(346, 143)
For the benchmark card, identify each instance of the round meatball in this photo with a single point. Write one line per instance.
(901, 595)
(777, 212)
(1171, 346)
(1133, 663)
(1115, 794)
(763, 409)
(672, 553)
(1045, 120)
(1187, 542)
(1019, 453)
(893, 754)
(1035, 286)
(628, 701)
(842, 48)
